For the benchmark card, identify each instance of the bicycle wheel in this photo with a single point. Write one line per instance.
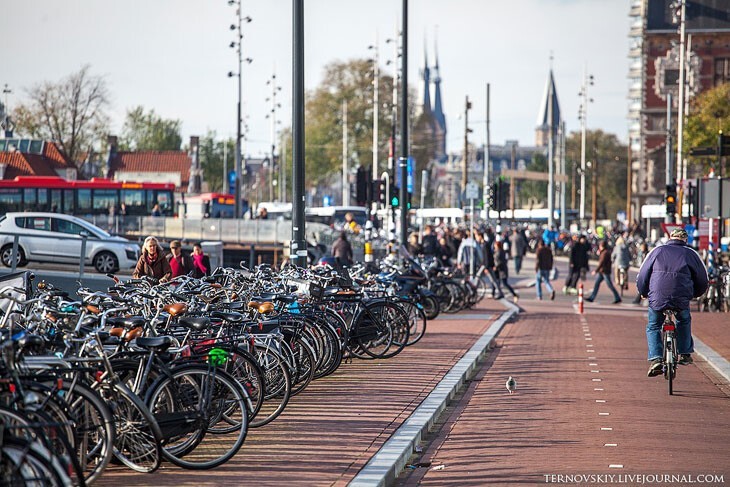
(138, 436)
(416, 321)
(24, 462)
(277, 385)
(204, 415)
(670, 363)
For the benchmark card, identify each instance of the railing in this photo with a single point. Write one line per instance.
(226, 230)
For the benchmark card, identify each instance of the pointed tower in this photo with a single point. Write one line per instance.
(438, 111)
(424, 102)
(550, 96)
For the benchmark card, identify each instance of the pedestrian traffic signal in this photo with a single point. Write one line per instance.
(671, 199)
(394, 200)
(379, 195)
(504, 190)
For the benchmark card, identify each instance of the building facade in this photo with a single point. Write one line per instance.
(654, 74)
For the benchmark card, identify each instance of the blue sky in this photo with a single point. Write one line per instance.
(172, 56)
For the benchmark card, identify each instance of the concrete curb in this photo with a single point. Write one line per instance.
(385, 466)
(717, 361)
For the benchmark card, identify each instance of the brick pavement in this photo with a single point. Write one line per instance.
(328, 432)
(583, 406)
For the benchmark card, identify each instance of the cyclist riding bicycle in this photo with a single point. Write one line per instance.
(621, 258)
(671, 276)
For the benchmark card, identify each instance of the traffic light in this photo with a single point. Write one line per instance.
(504, 191)
(379, 195)
(671, 199)
(361, 186)
(394, 196)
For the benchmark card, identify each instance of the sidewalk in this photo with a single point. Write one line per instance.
(332, 429)
(583, 405)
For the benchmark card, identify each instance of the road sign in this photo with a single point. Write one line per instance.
(472, 191)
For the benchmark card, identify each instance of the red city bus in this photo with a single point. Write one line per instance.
(83, 198)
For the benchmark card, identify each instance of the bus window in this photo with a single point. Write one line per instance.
(43, 199)
(164, 199)
(68, 201)
(83, 201)
(10, 200)
(55, 200)
(134, 202)
(29, 199)
(103, 200)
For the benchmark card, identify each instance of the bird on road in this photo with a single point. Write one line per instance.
(511, 385)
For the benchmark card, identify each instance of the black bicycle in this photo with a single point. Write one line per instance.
(670, 355)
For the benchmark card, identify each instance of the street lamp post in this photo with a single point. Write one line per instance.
(403, 161)
(582, 116)
(272, 116)
(238, 44)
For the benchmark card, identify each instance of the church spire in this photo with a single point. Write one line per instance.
(550, 96)
(438, 111)
(425, 101)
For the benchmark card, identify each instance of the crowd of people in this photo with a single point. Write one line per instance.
(154, 263)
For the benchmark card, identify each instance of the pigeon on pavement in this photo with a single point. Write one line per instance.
(511, 385)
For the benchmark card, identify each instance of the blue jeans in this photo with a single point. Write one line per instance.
(685, 344)
(604, 277)
(542, 276)
(518, 264)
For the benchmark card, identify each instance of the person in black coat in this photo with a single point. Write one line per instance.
(578, 264)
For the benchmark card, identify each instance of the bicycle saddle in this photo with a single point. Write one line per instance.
(154, 343)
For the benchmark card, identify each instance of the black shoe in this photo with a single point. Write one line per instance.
(655, 368)
(617, 301)
(685, 359)
(589, 299)
(552, 295)
(636, 301)
(501, 296)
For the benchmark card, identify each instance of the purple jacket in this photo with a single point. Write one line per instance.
(671, 275)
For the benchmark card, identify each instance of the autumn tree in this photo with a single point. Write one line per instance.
(71, 112)
(709, 113)
(149, 131)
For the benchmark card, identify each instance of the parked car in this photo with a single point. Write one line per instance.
(54, 237)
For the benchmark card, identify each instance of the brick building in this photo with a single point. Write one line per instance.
(654, 72)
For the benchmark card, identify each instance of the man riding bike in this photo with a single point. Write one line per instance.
(671, 275)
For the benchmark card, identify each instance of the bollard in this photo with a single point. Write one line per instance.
(580, 298)
(368, 252)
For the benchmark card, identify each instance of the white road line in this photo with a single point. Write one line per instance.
(610, 444)
(597, 388)
(596, 380)
(600, 400)
(606, 429)
(593, 364)
(604, 414)
(595, 371)
(615, 466)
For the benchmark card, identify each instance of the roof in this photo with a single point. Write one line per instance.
(550, 95)
(34, 164)
(153, 162)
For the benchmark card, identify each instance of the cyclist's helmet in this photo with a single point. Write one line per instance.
(679, 233)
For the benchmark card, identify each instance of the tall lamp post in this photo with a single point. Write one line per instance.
(272, 115)
(582, 116)
(238, 45)
(403, 161)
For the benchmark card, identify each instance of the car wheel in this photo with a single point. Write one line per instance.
(6, 256)
(106, 262)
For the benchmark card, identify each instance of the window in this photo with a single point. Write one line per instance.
(83, 201)
(11, 199)
(134, 202)
(29, 199)
(65, 226)
(722, 71)
(104, 199)
(34, 223)
(55, 200)
(68, 201)
(164, 199)
(42, 199)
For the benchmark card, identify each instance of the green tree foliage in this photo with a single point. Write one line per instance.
(149, 131)
(708, 114)
(351, 81)
(71, 112)
(211, 154)
(607, 157)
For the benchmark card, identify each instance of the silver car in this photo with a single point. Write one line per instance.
(54, 237)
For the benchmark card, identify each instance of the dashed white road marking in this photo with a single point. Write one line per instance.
(596, 380)
(593, 364)
(600, 400)
(604, 414)
(610, 444)
(615, 466)
(606, 429)
(595, 371)
(597, 388)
